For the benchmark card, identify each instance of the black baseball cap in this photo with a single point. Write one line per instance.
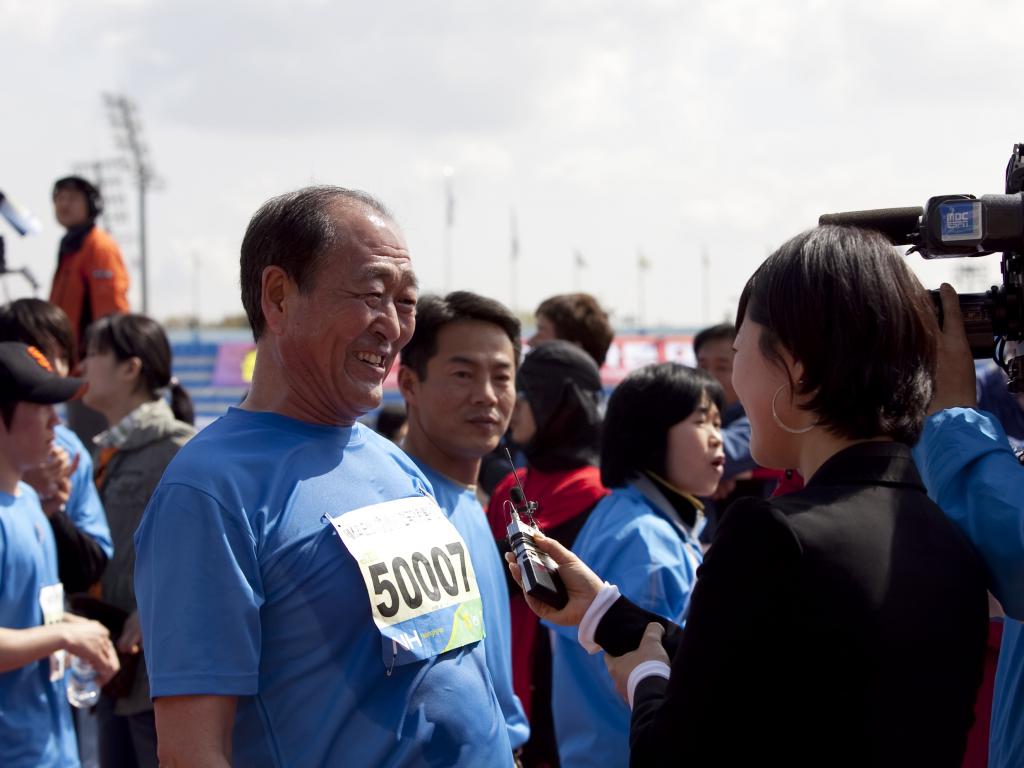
(27, 376)
(549, 369)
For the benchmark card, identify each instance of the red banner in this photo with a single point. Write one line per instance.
(627, 353)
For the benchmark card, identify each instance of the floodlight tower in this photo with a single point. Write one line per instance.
(124, 119)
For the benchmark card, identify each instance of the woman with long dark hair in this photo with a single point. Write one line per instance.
(128, 368)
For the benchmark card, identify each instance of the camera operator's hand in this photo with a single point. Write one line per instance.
(581, 583)
(955, 384)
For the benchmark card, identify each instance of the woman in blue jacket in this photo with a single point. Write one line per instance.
(662, 449)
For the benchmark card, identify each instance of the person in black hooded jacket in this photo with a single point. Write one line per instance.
(557, 422)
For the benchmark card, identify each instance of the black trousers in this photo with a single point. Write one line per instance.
(126, 741)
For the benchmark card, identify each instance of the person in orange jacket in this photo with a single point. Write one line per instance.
(91, 280)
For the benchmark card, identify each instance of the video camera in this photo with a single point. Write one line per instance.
(24, 223)
(951, 226)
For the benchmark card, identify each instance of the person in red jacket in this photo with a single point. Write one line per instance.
(557, 422)
(91, 280)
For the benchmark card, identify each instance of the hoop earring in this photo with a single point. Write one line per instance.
(778, 421)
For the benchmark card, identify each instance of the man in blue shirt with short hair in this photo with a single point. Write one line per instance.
(458, 381)
(303, 600)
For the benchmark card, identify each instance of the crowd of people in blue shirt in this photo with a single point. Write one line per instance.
(793, 552)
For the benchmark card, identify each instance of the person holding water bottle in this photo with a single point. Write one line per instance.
(37, 639)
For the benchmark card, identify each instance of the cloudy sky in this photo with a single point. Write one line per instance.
(663, 127)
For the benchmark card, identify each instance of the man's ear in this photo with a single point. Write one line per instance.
(275, 288)
(408, 385)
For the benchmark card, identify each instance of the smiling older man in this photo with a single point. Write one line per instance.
(304, 601)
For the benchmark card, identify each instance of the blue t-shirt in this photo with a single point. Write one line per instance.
(970, 472)
(632, 540)
(84, 507)
(35, 717)
(470, 520)
(245, 590)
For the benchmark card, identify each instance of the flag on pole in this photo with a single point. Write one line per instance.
(449, 194)
(514, 242)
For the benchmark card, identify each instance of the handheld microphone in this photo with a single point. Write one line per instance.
(539, 572)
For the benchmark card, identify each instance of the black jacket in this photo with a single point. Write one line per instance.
(843, 625)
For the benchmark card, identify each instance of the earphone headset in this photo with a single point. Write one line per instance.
(92, 195)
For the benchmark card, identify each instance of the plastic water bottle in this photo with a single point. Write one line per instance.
(83, 689)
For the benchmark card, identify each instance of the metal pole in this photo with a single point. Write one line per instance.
(641, 267)
(128, 130)
(195, 297)
(705, 262)
(513, 261)
(143, 267)
(449, 224)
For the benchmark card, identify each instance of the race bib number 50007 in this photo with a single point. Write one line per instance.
(418, 575)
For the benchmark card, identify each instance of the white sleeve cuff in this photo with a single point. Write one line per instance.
(598, 608)
(643, 670)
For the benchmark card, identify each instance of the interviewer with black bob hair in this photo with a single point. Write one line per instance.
(842, 625)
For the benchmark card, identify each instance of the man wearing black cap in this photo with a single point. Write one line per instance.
(35, 635)
(90, 281)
